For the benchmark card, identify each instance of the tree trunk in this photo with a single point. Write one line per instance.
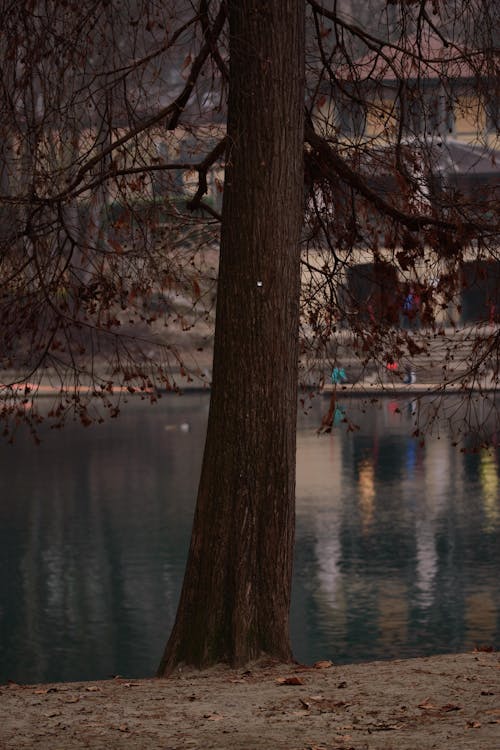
(235, 600)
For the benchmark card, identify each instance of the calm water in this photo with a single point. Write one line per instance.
(398, 545)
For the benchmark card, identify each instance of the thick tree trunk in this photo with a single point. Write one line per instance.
(235, 600)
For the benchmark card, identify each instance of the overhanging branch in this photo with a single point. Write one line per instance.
(332, 166)
(208, 161)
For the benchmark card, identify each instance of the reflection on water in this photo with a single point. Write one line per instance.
(488, 473)
(397, 551)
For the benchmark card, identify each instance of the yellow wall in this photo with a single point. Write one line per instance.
(470, 116)
(381, 118)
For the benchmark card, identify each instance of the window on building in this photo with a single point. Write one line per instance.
(481, 292)
(493, 116)
(343, 117)
(351, 119)
(374, 292)
(424, 112)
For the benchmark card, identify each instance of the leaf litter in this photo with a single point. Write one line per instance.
(442, 701)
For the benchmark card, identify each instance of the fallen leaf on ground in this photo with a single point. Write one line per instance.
(289, 681)
(383, 726)
(327, 704)
(426, 705)
(325, 664)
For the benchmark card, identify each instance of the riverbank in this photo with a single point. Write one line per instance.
(365, 387)
(450, 701)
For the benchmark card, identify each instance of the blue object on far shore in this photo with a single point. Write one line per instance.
(338, 375)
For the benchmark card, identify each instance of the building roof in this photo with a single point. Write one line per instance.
(427, 56)
(449, 158)
(467, 158)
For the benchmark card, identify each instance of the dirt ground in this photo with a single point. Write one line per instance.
(437, 702)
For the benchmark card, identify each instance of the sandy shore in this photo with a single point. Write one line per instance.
(439, 702)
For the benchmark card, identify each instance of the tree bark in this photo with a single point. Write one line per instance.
(235, 600)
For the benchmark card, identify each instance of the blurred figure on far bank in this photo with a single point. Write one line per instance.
(338, 376)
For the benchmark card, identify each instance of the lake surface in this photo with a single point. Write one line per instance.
(397, 554)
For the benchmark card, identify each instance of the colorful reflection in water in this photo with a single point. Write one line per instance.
(398, 543)
(398, 549)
